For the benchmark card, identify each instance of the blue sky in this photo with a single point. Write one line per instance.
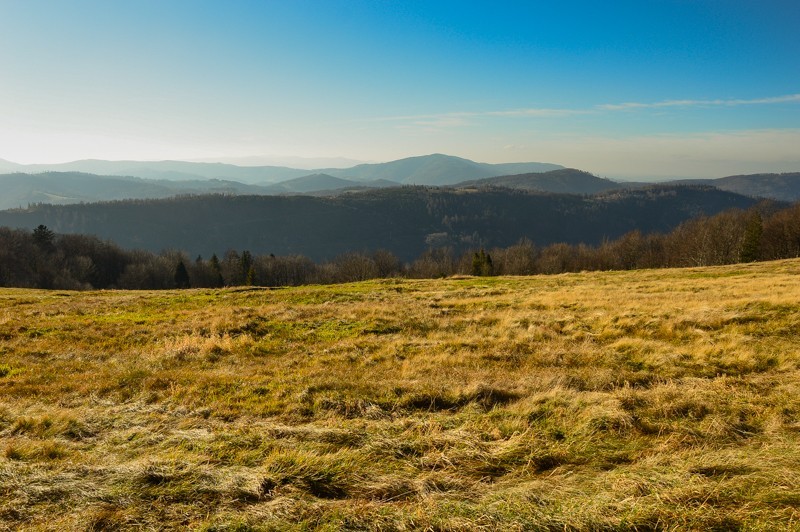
(624, 89)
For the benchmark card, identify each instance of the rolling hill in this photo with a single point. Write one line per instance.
(563, 181)
(783, 187)
(61, 188)
(436, 169)
(403, 220)
(20, 190)
(168, 170)
(425, 170)
(321, 183)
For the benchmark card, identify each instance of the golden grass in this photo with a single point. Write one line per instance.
(648, 400)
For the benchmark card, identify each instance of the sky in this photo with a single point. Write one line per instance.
(625, 89)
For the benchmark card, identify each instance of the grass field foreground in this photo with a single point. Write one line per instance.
(660, 399)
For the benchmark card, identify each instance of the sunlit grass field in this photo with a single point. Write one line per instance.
(647, 400)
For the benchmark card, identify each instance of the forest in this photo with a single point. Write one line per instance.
(43, 259)
(407, 221)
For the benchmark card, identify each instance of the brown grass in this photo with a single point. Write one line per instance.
(649, 400)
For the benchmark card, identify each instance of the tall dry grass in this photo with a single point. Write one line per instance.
(648, 400)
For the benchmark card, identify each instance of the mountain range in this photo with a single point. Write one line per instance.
(75, 182)
(165, 170)
(405, 206)
(436, 169)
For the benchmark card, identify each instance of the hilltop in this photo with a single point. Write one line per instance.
(613, 400)
(564, 181)
(437, 169)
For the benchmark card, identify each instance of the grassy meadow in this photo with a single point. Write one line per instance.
(645, 400)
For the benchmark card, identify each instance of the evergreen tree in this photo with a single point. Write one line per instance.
(43, 237)
(217, 270)
(482, 264)
(181, 276)
(751, 243)
(246, 264)
(476, 263)
(488, 266)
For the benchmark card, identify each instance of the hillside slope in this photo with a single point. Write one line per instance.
(601, 401)
(564, 181)
(405, 221)
(61, 188)
(169, 170)
(436, 169)
(783, 187)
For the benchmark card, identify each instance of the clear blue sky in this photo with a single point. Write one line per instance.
(629, 88)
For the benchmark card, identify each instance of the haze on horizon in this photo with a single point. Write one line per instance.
(625, 89)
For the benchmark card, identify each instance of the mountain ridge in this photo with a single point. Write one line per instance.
(405, 220)
(566, 181)
(779, 186)
(20, 189)
(434, 169)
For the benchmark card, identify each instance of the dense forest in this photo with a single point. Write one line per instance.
(406, 221)
(44, 259)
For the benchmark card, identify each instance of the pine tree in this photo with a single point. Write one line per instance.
(217, 269)
(751, 243)
(246, 264)
(476, 263)
(43, 236)
(482, 264)
(488, 266)
(181, 276)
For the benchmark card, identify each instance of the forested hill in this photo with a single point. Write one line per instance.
(74, 187)
(563, 181)
(404, 220)
(784, 187)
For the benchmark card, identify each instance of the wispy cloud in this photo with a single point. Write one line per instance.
(462, 118)
(443, 121)
(536, 112)
(699, 103)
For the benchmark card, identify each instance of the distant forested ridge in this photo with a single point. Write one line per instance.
(563, 181)
(782, 187)
(434, 169)
(406, 221)
(63, 188)
(43, 259)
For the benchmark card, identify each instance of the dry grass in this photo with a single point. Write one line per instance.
(650, 400)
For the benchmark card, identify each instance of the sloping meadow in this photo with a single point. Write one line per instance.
(660, 399)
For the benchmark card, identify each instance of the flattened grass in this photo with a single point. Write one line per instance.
(664, 399)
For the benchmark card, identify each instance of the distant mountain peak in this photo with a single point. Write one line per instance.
(436, 169)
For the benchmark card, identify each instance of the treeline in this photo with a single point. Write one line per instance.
(42, 259)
